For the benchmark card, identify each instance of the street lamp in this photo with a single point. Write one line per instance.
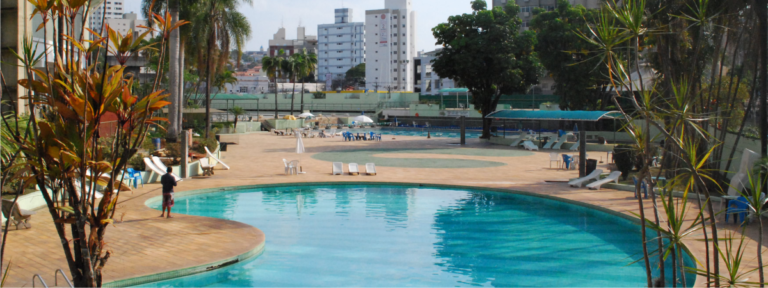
(257, 103)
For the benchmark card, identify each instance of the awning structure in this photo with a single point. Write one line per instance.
(454, 90)
(538, 115)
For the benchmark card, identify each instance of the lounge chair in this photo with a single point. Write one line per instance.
(291, 167)
(523, 137)
(613, 177)
(370, 169)
(575, 147)
(353, 169)
(338, 168)
(560, 142)
(226, 167)
(160, 172)
(548, 145)
(580, 182)
(530, 146)
(206, 166)
(16, 215)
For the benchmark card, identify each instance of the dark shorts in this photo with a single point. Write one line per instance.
(168, 200)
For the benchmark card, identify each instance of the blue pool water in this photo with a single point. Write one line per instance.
(442, 133)
(370, 235)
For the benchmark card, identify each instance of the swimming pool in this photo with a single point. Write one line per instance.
(390, 235)
(442, 133)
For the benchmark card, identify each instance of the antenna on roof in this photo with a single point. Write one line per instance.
(299, 22)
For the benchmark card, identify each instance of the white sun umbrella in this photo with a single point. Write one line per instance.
(306, 115)
(362, 119)
(299, 146)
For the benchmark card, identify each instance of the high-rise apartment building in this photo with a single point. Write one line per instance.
(390, 42)
(527, 6)
(340, 46)
(114, 10)
(128, 22)
(292, 46)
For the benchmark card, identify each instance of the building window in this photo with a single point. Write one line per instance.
(526, 9)
(395, 78)
(243, 89)
(403, 25)
(403, 16)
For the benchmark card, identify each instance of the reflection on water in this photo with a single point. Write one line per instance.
(406, 236)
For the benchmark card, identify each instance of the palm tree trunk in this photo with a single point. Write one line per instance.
(181, 84)
(293, 93)
(211, 42)
(276, 97)
(302, 94)
(173, 75)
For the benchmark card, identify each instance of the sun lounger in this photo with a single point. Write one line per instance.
(370, 169)
(613, 177)
(530, 146)
(523, 137)
(580, 182)
(206, 166)
(575, 147)
(160, 172)
(16, 215)
(353, 169)
(560, 142)
(338, 168)
(226, 167)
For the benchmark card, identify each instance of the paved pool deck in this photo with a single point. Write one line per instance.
(144, 244)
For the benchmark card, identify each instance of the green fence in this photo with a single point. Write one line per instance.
(516, 101)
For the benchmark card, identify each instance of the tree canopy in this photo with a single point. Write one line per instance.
(579, 79)
(486, 52)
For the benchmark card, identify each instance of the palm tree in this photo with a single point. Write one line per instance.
(237, 111)
(274, 68)
(221, 81)
(292, 65)
(309, 64)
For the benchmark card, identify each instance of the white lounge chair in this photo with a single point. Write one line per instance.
(548, 145)
(530, 146)
(333, 132)
(353, 169)
(580, 182)
(338, 168)
(523, 137)
(226, 167)
(613, 177)
(370, 169)
(16, 215)
(160, 172)
(560, 142)
(206, 166)
(291, 167)
(575, 147)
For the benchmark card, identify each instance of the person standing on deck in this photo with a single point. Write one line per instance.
(168, 182)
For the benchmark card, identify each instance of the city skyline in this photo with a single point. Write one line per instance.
(268, 16)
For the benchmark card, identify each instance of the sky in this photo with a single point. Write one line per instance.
(266, 16)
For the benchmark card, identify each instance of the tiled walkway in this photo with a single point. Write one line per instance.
(144, 244)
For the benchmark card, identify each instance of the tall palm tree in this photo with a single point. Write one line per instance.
(221, 81)
(292, 66)
(274, 68)
(309, 64)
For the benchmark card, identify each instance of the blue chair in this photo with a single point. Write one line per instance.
(642, 186)
(567, 160)
(135, 176)
(372, 136)
(738, 207)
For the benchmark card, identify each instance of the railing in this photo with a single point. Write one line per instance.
(39, 278)
(320, 107)
(56, 278)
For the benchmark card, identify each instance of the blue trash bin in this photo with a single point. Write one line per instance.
(157, 142)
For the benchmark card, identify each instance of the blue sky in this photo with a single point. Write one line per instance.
(266, 16)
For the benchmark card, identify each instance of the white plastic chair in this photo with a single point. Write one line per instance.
(338, 168)
(291, 167)
(554, 157)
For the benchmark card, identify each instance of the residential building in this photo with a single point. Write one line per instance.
(253, 81)
(390, 42)
(527, 6)
(425, 80)
(128, 22)
(293, 46)
(114, 10)
(341, 46)
(257, 55)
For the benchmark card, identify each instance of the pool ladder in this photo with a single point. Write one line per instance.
(55, 279)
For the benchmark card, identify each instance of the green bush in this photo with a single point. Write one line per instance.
(624, 156)
(137, 162)
(210, 143)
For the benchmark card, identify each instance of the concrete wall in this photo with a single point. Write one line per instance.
(242, 127)
(337, 102)
(281, 124)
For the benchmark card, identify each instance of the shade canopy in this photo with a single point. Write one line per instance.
(454, 90)
(362, 119)
(306, 115)
(538, 115)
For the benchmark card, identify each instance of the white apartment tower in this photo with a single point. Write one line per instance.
(115, 10)
(340, 46)
(390, 42)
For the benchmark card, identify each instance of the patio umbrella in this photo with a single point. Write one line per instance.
(362, 119)
(306, 115)
(299, 147)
